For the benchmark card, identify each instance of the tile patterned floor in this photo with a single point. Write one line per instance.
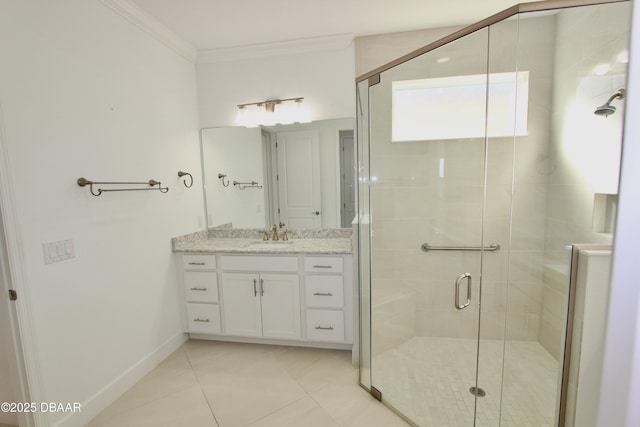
(428, 380)
(210, 383)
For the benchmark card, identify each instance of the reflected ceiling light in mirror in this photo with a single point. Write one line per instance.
(272, 112)
(601, 69)
(623, 57)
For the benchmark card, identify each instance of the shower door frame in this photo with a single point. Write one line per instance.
(373, 78)
(539, 6)
(457, 278)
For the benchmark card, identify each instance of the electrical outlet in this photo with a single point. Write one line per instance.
(58, 251)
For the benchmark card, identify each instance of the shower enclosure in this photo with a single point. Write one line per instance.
(480, 163)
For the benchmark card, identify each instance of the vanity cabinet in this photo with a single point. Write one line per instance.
(262, 305)
(296, 299)
(200, 284)
(324, 298)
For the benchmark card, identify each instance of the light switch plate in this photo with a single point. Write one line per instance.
(58, 251)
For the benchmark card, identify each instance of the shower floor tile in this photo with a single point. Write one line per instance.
(428, 380)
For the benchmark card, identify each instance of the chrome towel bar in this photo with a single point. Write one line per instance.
(152, 184)
(494, 247)
(243, 185)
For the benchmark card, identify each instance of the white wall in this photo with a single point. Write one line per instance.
(96, 97)
(325, 79)
(237, 153)
(620, 390)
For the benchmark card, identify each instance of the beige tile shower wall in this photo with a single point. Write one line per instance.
(413, 291)
(407, 208)
(517, 221)
(585, 148)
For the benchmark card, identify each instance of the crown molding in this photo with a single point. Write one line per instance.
(153, 27)
(290, 47)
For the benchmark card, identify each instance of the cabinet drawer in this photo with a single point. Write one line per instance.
(203, 318)
(323, 264)
(259, 263)
(325, 325)
(199, 262)
(201, 286)
(324, 291)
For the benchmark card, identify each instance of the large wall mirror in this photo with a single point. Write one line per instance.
(301, 175)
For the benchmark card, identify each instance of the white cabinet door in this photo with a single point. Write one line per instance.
(241, 304)
(280, 295)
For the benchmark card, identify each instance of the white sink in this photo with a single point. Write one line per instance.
(269, 245)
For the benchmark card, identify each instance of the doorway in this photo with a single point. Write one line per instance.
(13, 383)
(347, 179)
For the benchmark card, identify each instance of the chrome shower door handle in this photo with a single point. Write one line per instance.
(456, 300)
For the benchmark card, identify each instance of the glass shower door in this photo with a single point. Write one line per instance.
(426, 202)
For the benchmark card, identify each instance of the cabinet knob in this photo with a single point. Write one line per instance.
(316, 212)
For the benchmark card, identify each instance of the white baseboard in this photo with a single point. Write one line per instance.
(291, 343)
(112, 391)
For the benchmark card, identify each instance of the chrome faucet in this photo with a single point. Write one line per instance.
(274, 228)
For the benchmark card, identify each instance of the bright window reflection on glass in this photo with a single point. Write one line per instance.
(454, 107)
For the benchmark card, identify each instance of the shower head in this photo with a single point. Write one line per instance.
(607, 109)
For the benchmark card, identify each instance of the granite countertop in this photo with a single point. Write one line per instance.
(249, 241)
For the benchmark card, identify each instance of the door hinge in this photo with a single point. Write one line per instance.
(278, 210)
(13, 295)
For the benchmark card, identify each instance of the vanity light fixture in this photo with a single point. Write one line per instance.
(271, 112)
